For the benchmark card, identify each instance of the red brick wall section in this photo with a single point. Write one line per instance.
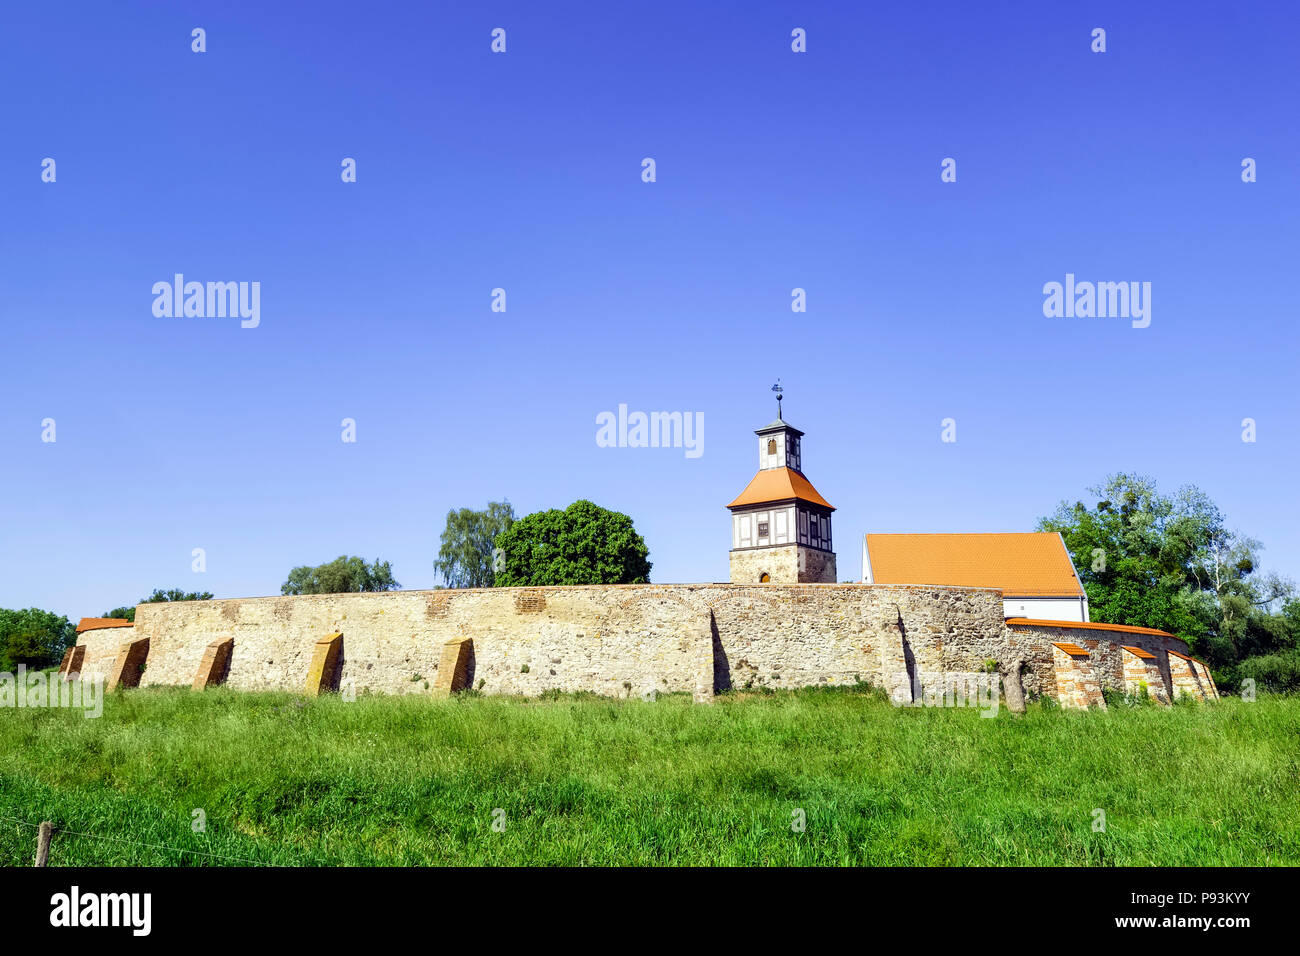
(215, 663)
(1143, 672)
(129, 665)
(1077, 685)
(453, 667)
(1169, 673)
(1190, 677)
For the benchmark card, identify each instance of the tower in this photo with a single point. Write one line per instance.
(780, 525)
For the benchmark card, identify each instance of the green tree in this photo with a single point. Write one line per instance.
(341, 576)
(1279, 672)
(1169, 562)
(174, 594)
(583, 544)
(26, 648)
(465, 559)
(34, 637)
(158, 596)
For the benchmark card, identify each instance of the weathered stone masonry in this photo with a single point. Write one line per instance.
(1083, 659)
(621, 640)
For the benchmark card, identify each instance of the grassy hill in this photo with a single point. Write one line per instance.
(285, 780)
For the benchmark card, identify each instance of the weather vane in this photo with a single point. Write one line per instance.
(777, 388)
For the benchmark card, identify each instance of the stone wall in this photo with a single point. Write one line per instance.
(622, 640)
(749, 566)
(617, 640)
(816, 566)
(1105, 665)
(786, 564)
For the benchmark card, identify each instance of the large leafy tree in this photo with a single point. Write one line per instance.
(583, 544)
(465, 559)
(343, 574)
(33, 637)
(157, 597)
(1169, 562)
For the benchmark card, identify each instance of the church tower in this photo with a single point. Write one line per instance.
(780, 525)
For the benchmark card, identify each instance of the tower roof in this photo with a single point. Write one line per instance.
(777, 426)
(779, 484)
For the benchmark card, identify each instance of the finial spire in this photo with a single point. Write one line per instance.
(777, 388)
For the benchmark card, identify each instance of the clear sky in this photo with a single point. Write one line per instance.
(523, 171)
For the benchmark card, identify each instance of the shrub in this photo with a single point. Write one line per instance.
(1113, 697)
(1279, 672)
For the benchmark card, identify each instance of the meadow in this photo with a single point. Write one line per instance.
(807, 777)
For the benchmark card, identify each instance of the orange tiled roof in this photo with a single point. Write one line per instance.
(95, 623)
(779, 484)
(1086, 625)
(1139, 652)
(1032, 564)
(1074, 650)
(1189, 658)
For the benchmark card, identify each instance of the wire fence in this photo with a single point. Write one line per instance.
(60, 832)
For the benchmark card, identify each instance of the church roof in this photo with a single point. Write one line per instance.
(1027, 564)
(779, 484)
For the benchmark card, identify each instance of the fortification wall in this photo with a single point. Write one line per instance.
(1106, 660)
(628, 640)
(613, 640)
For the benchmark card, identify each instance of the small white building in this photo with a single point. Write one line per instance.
(1033, 570)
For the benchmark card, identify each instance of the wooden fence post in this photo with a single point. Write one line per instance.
(43, 843)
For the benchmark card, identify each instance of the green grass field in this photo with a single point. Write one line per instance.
(284, 780)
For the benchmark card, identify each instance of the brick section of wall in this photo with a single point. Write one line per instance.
(1207, 680)
(76, 663)
(898, 678)
(453, 668)
(214, 665)
(130, 661)
(72, 660)
(1077, 684)
(701, 638)
(1191, 677)
(322, 675)
(530, 600)
(1142, 670)
(1106, 654)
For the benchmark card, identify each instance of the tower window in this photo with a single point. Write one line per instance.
(771, 446)
(762, 529)
(765, 578)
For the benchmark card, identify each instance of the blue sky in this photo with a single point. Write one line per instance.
(522, 171)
